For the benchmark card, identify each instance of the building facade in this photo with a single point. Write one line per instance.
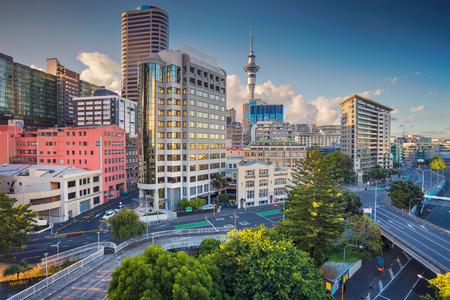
(278, 153)
(145, 30)
(27, 94)
(235, 136)
(107, 108)
(69, 85)
(260, 183)
(272, 130)
(132, 163)
(321, 136)
(366, 132)
(90, 148)
(181, 126)
(56, 193)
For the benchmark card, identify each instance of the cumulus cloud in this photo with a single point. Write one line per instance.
(298, 109)
(37, 68)
(393, 80)
(101, 70)
(417, 108)
(395, 111)
(434, 93)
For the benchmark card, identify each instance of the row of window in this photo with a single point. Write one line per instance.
(205, 95)
(192, 168)
(261, 172)
(114, 169)
(116, 177)
(265, 182)
(265, 193)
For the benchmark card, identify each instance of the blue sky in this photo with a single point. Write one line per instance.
(311, 53)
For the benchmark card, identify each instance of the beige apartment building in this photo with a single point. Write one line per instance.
(278, 153)
(365, 132)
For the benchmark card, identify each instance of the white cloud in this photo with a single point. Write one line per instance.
(435, 93)
(417, 73)
(393, 80)
(37, 68)
(102, 70)
(297, 109)
(417, 108)
(395, 111)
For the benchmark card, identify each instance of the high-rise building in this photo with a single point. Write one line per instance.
(107, 108)
(266, 112)
(145, 30)
(27, 94)
(366, 132)
(251, 68)
(181, 126)
(272, 130)
(69, 85)
(319, 136)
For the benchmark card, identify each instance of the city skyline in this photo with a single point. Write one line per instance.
(395, 54)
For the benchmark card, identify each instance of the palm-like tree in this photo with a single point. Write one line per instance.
(219, 182)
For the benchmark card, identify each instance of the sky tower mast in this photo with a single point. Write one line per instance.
(251, 68)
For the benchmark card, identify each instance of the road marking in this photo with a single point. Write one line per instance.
(244, 223)
(228, 225)
(212, 224)
(384, 297)
(413, 286)
(380, 284)
(379, 294)
(263, 217)
(407, 256)
(220, 219)
(233, 217)
(400, 263)
(391, 273)
(95, 285)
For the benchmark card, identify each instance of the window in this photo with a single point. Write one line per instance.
(280, 181)
(96, 189)
(95, 178)
(264, 182)
(279, 191)
(71, 184)
(249, 184)
(263, 193)
(96, 200)
(250, 194)
(263, 172)
(250, 172)
(71, 195)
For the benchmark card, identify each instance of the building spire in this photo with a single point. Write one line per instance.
(251, 68)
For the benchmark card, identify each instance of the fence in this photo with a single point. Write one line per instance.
(57, 276)
(76, 253)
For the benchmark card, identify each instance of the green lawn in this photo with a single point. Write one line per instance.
(192, 225)
(269, 212)
(350, 255)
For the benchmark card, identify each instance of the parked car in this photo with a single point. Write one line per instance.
(108, 214)
(120, 207)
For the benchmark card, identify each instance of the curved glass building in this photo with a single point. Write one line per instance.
(145, 30)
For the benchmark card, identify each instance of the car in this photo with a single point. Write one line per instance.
(120, 207)
(108, 214)
(207, 206)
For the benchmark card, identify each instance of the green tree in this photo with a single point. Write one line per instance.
(126, 225)
(14, 221)
(442, 285)
(408, 191)
(365, 232)
(342, 166)
(209, 246)
(183, 203)
(158, 274)
(223, 197)
(197, 202)
(314, 215)
(258, 264)
(352, 202)
(17, 269)
(219, 182)
(397, 165)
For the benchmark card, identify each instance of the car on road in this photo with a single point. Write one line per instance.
(108, 214)
(120, 207)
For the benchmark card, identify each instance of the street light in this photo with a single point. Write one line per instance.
(98, 240)
(410, 204)
(355, 180)
(46, 270)
(421, 277)
(375, 209)
(423, 179)
(360, 247)
(57, 248)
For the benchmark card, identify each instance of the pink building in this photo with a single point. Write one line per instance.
(8, 134)
(90, 148)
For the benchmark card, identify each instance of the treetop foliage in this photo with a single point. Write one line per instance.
(126, 225)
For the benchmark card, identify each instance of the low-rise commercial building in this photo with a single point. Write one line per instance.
(278, 153)
(260, 183)
(57, 193)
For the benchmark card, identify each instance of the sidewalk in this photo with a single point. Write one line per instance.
(367, 276)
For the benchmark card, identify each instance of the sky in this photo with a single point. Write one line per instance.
(312, 54)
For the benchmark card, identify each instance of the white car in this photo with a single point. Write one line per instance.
(108, 214)
(120, 207)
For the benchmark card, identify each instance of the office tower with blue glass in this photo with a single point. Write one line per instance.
(265, 112)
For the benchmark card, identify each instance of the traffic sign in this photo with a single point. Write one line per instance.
(367, 210)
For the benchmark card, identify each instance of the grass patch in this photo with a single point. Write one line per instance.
(351, 254)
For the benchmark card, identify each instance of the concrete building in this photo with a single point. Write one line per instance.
(107, 108)
(278, 153)
(272, 130)
(231, 115)
(181, 126)
(260, 183)
(90, 148)
(366, 132)
(56, 193)
(321, 136)
(145, 30)
(235, 136)
(69, 85)
(27, 94)
(132, 165)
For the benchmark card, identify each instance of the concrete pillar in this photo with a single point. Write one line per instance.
(156, 201)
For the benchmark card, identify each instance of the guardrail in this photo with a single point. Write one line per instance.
(181, 245)
(76, 253)
(424, 259)
(57, 276)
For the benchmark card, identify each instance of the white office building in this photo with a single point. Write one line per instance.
(181, 124)
(107, 108)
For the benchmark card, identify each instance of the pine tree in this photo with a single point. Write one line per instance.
(314, 216)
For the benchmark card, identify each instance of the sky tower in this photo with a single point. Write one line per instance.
(251, 68)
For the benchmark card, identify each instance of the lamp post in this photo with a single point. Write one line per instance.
(146, 213)
(46, 270)
(421, 277)
(57, 248)
(375, 204)
(355, 180)
(98, 240)
(423, 179)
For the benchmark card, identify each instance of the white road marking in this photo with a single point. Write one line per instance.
(95, 285)
(220, 219)
(384, 297)
(380, 284)
(379, 294)
(244, 223)
(400, 263)
(264, 217)
(212, 224)
(413, 287)
(391, 273)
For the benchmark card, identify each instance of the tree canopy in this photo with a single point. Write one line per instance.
(219, 182)
(126, 225)
(314, 215)
(14, 221)
(403, 191)
(23, 266)
(353, 202)
(342, 166)
(209, 246)
(380, 174)
(258, 264)
(442, 286)
(438, 164)
(158, 274)
(365, 232)
(183, 203)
